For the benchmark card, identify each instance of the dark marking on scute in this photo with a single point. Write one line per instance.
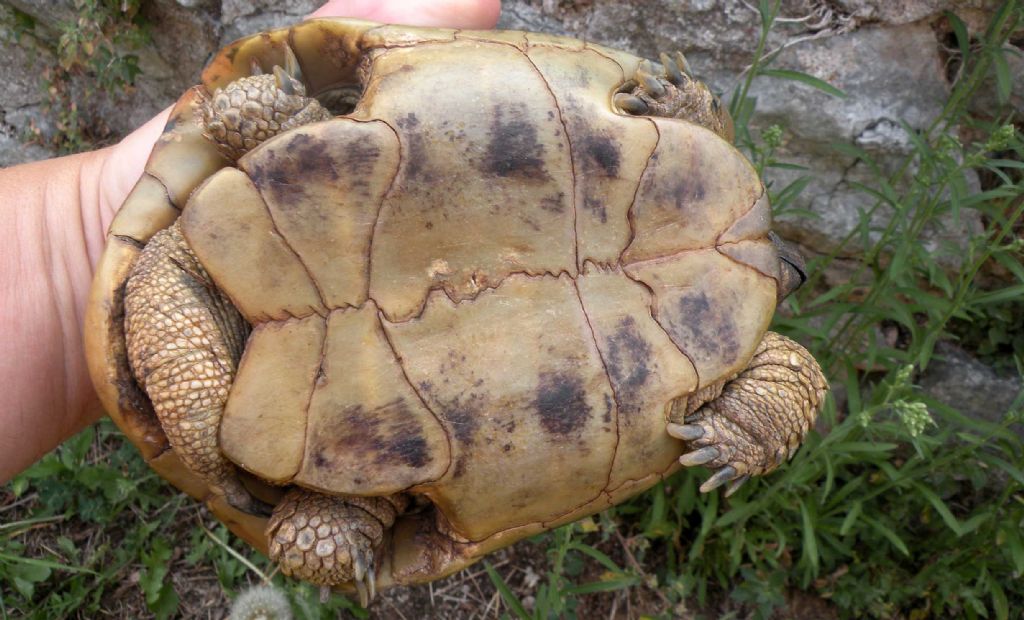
(629, 355)
(561, 403)
(603, 151)
(306, 159)
(409, 450)
(461, 414)
(683, 191)
(554, 203)
(361, 160)
(266, 178)
(460, 466)
(413, 136)
(512, 148)
(366, 435)
(596, 206)
(532, 223)
(464, 423)
(608, 404)
(702, 330)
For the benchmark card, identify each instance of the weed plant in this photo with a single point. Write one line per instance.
(897, 506)
(93, 60)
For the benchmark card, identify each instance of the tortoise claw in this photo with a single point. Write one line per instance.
(364, 597)
(722, 476)
(239, 498)
(686, 432)
(650, 83)
(359, 567)
(364, 577)
(291, 63)
(736, 484)
(672, 71)
(699, 457)
(629, 104)
(254, 67)
(683, 64)
(284, 81)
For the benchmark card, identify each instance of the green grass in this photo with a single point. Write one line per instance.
(901, 507)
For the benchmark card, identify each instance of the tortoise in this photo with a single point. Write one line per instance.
(390, 298)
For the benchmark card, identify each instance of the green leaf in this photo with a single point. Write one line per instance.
(767, 14)
(166, 603)
(24, 587)
(506, 593)
(1004, 294)
(45, 564)
(940, 507)
(851, 518)
(658, 525)
(888, 534)
(803, 78)
(1015, 546)
(1011, 469)
(1004, 81)
(963, 40)
(810, 547)
(609, 585)
(605, 561)
(863, 447)
(999, 602)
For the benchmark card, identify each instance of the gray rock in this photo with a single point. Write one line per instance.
(956, 379)
(906, 11)
(22, 101)
(241, 18)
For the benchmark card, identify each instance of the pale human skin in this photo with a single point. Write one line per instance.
(54, 216)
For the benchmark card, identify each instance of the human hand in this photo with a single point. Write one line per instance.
(56, 213)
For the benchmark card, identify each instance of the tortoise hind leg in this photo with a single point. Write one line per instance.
(759, 418)
(330, 540)
(674, 93)
(184, 339)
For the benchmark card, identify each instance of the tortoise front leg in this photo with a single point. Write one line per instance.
(329, 540)
(760, 418)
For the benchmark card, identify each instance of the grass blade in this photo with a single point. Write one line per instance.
(506, 593)
(803, 78)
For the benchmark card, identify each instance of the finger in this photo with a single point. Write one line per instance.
(450, 13)
(126, 160)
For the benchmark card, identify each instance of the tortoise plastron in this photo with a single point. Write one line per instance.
(390, 298)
